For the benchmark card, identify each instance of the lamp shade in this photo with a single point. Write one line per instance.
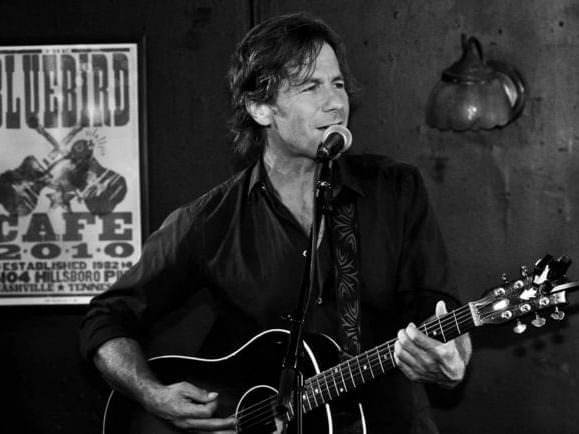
(473, 94)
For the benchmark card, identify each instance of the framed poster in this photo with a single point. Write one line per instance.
(70, 170)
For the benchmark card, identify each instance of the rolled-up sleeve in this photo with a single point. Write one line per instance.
(166, 273)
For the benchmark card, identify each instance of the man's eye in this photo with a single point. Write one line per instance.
(339, 84)
(310, 88)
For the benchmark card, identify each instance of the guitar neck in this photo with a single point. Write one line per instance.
(352, 373)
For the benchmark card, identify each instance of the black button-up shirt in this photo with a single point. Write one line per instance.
(237, 252)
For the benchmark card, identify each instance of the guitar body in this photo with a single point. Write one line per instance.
(245, 379)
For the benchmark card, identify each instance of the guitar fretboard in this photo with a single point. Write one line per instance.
(352, 373)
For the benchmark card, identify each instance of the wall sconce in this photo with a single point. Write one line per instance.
(473, 94)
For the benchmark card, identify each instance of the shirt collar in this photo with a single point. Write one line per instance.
(343, 177)
(258, 179)
(255, 176)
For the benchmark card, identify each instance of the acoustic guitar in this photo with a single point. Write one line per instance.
(247, 379)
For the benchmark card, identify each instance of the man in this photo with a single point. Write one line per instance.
(243, 243)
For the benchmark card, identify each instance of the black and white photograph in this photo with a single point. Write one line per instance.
(289, 217)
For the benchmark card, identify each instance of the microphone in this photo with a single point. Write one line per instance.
(336, 139)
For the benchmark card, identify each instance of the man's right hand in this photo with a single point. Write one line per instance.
(187, 407)
(124, 367)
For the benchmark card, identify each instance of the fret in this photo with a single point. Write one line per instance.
(315, 391)
(380, 360)
(368, 365)
(334, 380)
(453, 329)
(306, 399)
(433, 330)
(441, 329)
(392, 359)
(456, 323)
(363, 367)
(324, 387)
(351, 376)
(339, 368)
(358, 369)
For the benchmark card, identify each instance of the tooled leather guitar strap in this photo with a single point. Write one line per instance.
(346, 262)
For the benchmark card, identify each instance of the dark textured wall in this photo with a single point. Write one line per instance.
(503, 197)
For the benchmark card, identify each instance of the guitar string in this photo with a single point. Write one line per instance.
(254, 419)
(371, 359)
(374, 361)
(485, 312)
(259, 418)
(258, 410)
(437, 323)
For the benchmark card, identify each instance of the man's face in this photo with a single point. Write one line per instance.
(303, 110)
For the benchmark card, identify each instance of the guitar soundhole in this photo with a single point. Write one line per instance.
(256, 412)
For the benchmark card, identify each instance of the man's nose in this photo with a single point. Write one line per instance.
(335, 99)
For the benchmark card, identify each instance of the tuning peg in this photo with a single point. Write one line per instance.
(541, 264)
(504, 278)
(558, 314)
(520, 327)
(539, 321)
(524, 271)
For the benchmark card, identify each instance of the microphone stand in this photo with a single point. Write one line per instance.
(291, 380)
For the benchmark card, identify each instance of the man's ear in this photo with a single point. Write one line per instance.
(260, 112)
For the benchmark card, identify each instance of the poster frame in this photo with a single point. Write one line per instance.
(140, 213)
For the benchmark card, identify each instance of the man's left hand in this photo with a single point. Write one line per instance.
(424, 359)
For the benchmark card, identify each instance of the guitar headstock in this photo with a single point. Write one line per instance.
(543, 288)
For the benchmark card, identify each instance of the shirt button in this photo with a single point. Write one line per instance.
(305, 253)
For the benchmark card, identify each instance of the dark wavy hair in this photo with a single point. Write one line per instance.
(279, 49)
